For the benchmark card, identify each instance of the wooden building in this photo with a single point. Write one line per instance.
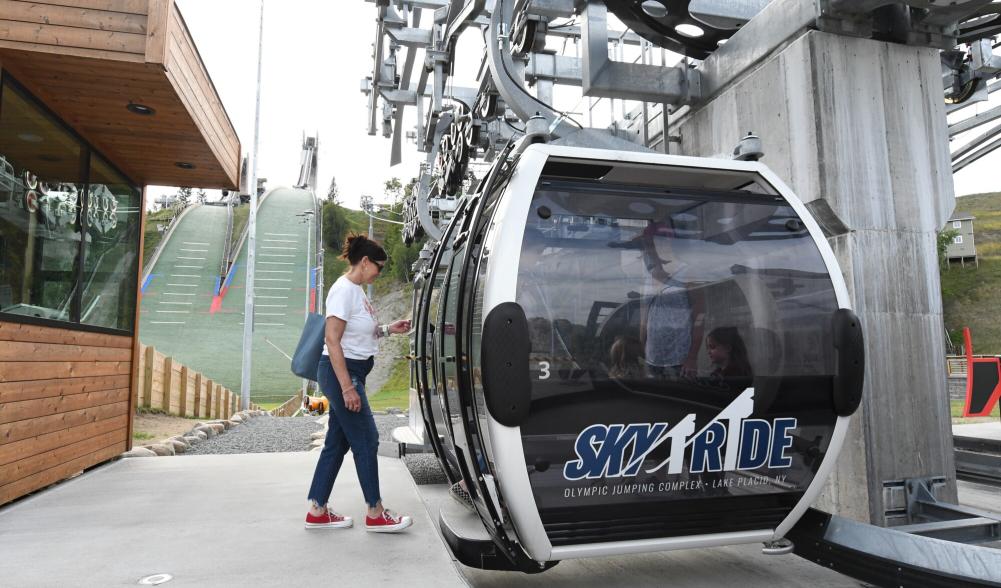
(963, 247)
(98, 99)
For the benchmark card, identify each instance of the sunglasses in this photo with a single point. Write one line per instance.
(378, 265)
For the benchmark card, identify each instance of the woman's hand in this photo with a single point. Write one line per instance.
(352, 401)
(400, 327)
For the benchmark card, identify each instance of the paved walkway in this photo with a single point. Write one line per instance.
(232, 520)
(990, 430)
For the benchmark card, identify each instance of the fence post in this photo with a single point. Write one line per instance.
(168, 376)
(209, 388)
(182, 402)
(229, 403)
(148, 363)
(198, 392)
(218, 400)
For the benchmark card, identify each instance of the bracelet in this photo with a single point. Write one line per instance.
(384, 330)
(348, 389)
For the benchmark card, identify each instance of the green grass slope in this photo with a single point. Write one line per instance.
(971, 296)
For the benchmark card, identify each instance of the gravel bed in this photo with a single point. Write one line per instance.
(261, 435)
(281, 434)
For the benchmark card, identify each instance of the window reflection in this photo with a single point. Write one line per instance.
(44, 191)
(41, 186)
(112, 258)
(641, 289)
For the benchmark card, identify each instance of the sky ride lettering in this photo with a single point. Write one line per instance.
(729, 442)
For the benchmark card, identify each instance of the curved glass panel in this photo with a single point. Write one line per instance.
(111, 256)
(681, 348)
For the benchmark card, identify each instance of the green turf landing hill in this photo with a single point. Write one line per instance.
(971, 296)
(176, 313)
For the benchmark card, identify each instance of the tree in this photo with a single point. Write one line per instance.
(945, 238)
(184, 196)
(335, 225)
(394, 192)
(201, 196)
(333, 194)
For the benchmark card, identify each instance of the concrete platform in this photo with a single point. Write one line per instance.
(233, 520)
(991, 430)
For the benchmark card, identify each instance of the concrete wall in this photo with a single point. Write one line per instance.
(861, 124)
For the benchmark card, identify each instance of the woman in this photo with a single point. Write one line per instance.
(351, 341)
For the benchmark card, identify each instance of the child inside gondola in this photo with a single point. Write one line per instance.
(727, 353)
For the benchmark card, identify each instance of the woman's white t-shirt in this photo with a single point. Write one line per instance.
(348, 302)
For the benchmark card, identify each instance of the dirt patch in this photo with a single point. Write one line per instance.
(151, 428)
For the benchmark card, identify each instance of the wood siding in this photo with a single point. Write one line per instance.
(101, 29)
(88, 59)
(194, 87)
(64, 404)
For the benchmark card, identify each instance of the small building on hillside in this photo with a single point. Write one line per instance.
(963, 248)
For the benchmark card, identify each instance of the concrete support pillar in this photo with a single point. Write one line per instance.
(861, 125)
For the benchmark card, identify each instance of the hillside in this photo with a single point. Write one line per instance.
(971, 294)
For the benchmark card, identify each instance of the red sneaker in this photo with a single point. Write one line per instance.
(387, 522)
(328, 520)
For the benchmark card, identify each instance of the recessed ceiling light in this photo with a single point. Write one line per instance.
(185, 165)
(30, 137)
(141, 109)
(654, 8)
(689, 30)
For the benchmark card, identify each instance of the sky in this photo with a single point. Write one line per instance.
(316, 53)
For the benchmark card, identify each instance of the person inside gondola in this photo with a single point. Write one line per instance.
(671, 320)
(728, 354)
(626, 358)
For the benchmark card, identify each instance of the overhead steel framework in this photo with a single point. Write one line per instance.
(414, 56)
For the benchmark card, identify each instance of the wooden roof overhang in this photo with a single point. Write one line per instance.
(88, 60)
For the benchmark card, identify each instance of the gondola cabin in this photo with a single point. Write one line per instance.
(623, 352)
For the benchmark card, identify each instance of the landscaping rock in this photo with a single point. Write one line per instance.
(217, 427)
(206, 430)
(179, 446)
(140, 452)
(236, 418)
(193, 439)
(161, 449)
(319, 435)
(226, 424)
(200, 434)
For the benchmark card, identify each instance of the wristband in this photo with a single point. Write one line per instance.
(383, 330)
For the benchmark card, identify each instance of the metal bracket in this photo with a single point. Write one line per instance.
(605, 78)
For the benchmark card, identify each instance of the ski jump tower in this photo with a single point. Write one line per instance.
(848, 97)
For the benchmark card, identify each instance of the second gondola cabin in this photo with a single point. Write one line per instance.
(624, 352)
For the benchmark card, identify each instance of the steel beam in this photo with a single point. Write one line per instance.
(411, 37)
(554, 68)
(974, 121)
(551, 8)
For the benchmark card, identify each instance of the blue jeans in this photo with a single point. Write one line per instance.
(347, 430)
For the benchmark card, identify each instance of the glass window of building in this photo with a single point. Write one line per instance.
(69, 223)
(42, 170)
(111, 255)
